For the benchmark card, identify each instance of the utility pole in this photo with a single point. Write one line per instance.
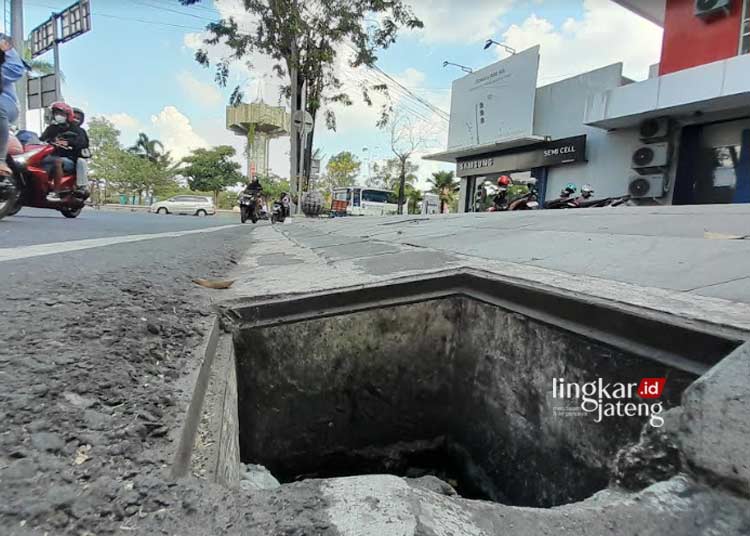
(301, 149)
(16, 30)
(56, 54)
(294, 160)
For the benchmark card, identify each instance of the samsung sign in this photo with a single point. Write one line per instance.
(551, 153)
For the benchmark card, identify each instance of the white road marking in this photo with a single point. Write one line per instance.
(37, 250)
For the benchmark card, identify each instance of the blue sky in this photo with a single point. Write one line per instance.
(136, 66)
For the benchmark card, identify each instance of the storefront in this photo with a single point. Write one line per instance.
(522, 164)
(714, 163)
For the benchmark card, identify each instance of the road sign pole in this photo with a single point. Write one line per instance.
(301, 150)
(56, 54)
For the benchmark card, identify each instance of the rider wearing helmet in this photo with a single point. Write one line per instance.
(500, 201)
(69, 140)
(78, 118)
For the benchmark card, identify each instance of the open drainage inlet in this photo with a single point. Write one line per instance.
(452, 387)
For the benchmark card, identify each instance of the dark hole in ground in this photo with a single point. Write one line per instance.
(453, 387)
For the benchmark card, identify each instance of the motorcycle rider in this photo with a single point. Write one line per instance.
(67, 149)
(500, 202)
(78, 118)
(253, 187)
(12, 68)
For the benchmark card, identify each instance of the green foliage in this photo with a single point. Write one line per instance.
(211, 170)
(386, 175)
(128, 173)
(412, 196)
(342, 169)
(308, 36)
(273, 187)
(102, 133)
(145, 147)
(446, 186)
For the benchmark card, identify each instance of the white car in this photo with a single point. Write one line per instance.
(185, 204)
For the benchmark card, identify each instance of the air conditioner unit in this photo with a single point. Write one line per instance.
(654, 129)
(640, 186)
(651, 156)
(712, 8)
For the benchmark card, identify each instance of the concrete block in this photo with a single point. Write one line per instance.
(715, 423)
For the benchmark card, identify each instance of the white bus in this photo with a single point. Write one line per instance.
(363, 201)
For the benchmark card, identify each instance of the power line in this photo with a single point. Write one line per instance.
(169, 10)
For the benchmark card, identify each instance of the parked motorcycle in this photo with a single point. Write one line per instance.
(280, 209)
(527, 201)
(565, 200)
(30, 183)
(249, 207)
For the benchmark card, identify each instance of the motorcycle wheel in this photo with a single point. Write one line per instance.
(243, 214)
(273, 218)
(16, 209)
(70, 212)
(253, 217)
(11, 205)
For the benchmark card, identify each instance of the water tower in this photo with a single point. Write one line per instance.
(259, 123)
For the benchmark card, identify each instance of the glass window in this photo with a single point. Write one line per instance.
(378, 196)
(356, 198)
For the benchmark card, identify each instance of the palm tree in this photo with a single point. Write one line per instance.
(148, 148)
(413, 197)
(445, 185)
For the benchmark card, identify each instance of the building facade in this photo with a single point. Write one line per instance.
(680, 137)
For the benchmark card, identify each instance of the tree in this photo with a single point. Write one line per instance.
(273, 187)
(211, 170)
(102, 133)
(445, 185)
(342, 169)
(406, 138)
(307, 36)
(145, 147)
(413, 197)
(386, 175)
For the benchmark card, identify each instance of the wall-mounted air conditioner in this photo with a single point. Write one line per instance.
(654, 129)
(640, 186)
(711, 8)
(651, 156)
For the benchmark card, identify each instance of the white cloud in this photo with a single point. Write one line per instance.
(174, 130)
(124, 121)
(470, 21)
(207, 94)
(607, 33)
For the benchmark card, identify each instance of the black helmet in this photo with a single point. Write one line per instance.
(80, 117)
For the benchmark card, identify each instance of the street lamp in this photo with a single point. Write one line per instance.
(491, 42)
(464, 68)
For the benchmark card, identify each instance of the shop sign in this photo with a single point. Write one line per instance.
(552, 153)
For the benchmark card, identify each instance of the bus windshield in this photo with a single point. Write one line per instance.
(378, 196)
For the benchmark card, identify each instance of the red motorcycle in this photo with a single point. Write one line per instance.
(30, 183)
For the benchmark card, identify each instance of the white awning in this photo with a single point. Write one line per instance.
(716, 87)
(453, 155)
(652, 10)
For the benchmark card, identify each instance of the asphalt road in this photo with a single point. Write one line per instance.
(100, 318)
(38, 226)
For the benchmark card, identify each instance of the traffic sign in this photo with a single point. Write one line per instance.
(75, 20)
(302, 117)
(42, 91)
